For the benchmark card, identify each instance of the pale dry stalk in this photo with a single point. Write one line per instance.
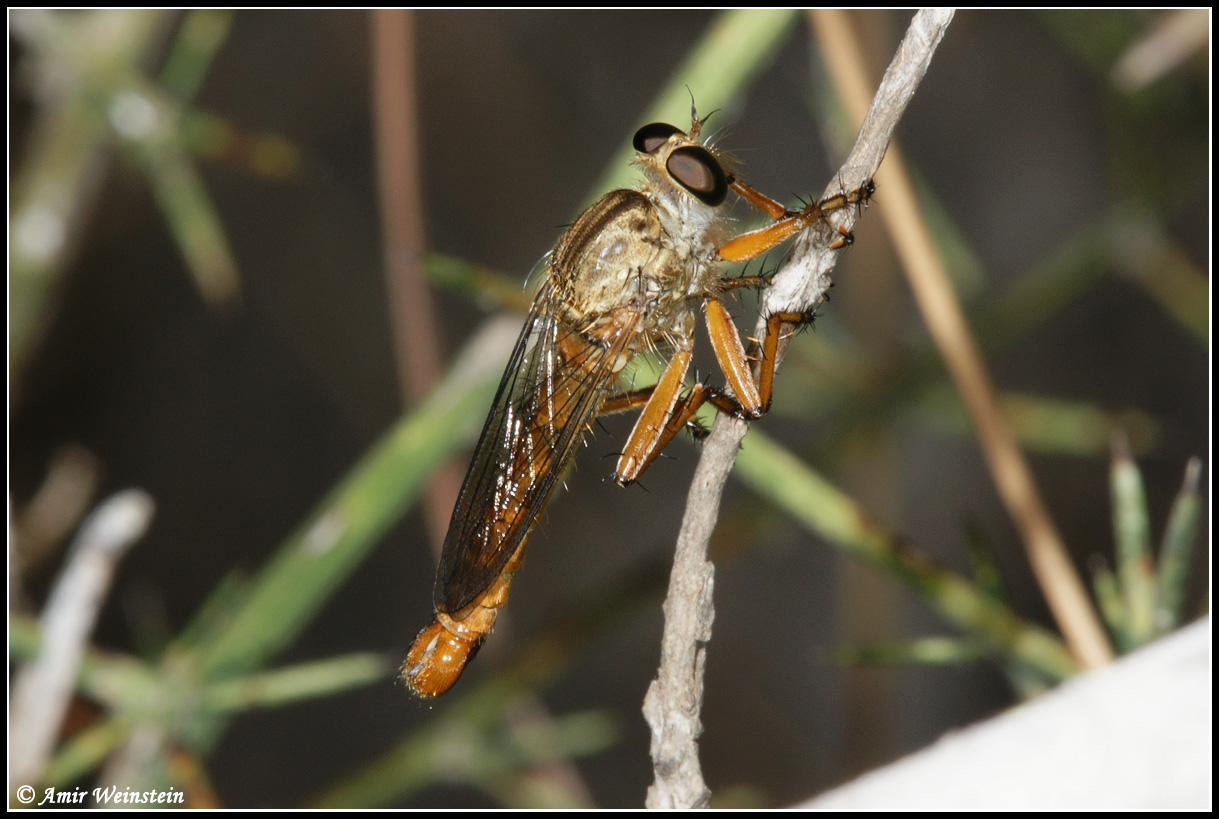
(674, 700)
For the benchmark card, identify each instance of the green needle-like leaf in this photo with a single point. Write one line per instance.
(281, 686)
(1178, 547)
(784, 480)
(335, 538)
(1132, 531)
(1104, 584)
(924, 651)
(728, 58)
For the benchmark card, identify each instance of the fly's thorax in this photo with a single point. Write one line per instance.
(619, 258)
(694, 229)
(673, 330)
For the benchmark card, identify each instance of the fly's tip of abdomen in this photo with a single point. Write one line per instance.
(436, 659)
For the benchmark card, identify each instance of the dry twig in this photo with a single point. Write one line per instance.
(674, 699)
(44, 687)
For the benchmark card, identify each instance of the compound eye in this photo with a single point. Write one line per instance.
(696, 170)
(650, 137)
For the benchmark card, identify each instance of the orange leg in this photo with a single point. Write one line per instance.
(770, 349)
(758, 199)
(651, 432)
(752, 400)
(845, 238)
(756, 242)
(664, 414)
(681, 415)
(627, 401)
(730, 354)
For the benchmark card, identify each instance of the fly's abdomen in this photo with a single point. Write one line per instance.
(534, 438)
(440, 652)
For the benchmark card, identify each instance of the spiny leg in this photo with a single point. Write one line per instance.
(756, 242)
(651, 432)
(724, 285)
(770, 349)
(730, 353)
(664, 416)
(758, 199)
(754, 401)
(681, 415)
(632, 399)
(751, 400)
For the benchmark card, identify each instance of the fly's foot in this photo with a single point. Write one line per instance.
(818, 211)
(697, 429)
(729, 405)
(845, 239)
(801, 319)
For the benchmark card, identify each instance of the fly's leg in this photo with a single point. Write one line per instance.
(664, 414)
(730, 353)
(756, 242)
(788, 223)
(649, 449)
(770, 349)
(633, 399)
(649, 437)
(758, 199)
(658, 422)
(683, 414)
(845, 239)
(753, 400)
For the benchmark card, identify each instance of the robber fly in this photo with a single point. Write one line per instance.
(630, 275)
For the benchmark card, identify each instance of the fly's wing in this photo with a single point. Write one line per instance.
(553, 387)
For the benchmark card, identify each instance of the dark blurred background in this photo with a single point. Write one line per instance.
(238, 419)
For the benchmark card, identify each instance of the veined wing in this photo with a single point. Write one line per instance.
(556, 381)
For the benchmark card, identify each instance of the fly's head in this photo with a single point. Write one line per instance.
(688, 182)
